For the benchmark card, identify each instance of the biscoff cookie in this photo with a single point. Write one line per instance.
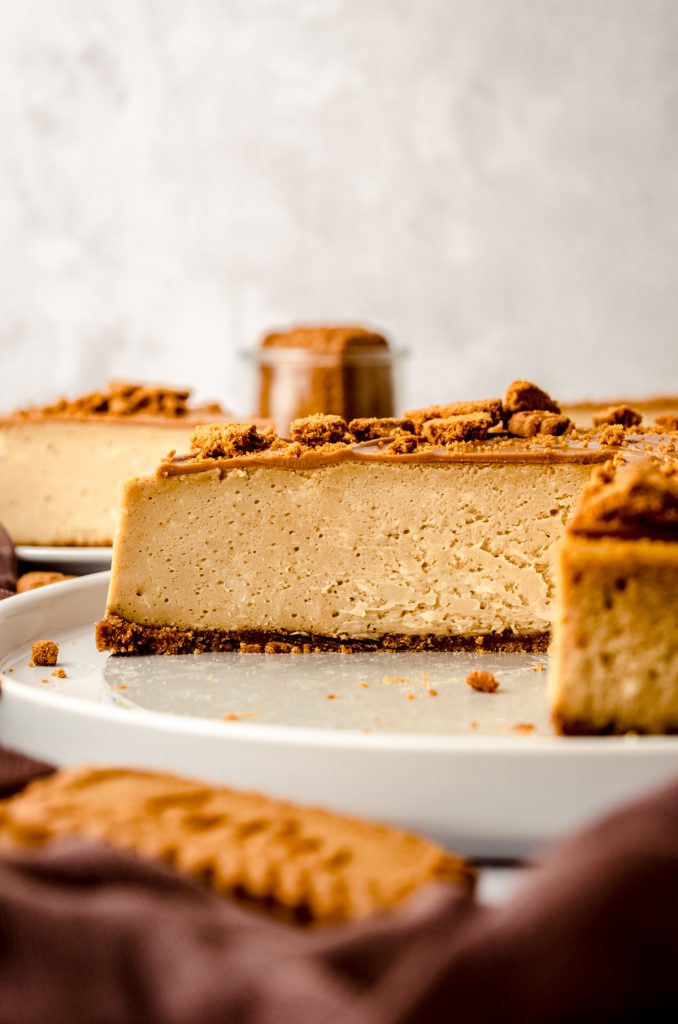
(312, 865)
(34, 580)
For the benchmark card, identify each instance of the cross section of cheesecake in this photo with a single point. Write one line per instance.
(435, 537)
(61, 466)
(615, 634)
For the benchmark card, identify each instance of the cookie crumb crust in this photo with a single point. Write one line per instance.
(117, 634)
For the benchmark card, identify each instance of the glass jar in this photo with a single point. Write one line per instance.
(296, 382)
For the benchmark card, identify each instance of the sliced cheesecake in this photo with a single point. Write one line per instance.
(615, 634)
(61, 466)
(437, 536)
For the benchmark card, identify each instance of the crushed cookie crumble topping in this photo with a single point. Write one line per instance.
(45, 652)
(491, 407)
(469, 427)
(639, 500)
(319, 429)
(524, 396)
(484, 682)
(404, 444)
(612, 435)
(373, 428)
(122, 399)
(226, 440)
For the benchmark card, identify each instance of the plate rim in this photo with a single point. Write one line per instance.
(62, 553)
(524, 746)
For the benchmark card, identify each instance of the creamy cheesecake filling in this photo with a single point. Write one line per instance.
(351, 549)
(61, 479)
(615, 647)
(615, 638)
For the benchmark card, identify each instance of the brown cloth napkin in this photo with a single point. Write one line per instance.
(7, 565)
(89, 933)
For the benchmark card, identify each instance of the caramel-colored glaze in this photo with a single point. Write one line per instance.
(504, 450)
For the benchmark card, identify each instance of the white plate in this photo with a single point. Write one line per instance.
(72, 561)
(371, 751)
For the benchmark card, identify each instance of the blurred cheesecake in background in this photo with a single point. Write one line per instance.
(61, 465)
(657, 409)
(342, 370)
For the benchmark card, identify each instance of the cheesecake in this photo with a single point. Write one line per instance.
(61, 465)
(615, 631)
(433, 531)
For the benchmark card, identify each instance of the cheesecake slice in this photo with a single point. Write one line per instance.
(615, 634)
(61, 466)
(437, 536)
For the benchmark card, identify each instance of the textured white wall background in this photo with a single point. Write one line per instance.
(495, 183)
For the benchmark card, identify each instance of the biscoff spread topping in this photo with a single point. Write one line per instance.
(124, 399)
(639, 500)
(319, 429)
(227, 440)
(372, 428)
(617, 414)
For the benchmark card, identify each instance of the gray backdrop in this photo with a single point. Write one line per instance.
(495, 182)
